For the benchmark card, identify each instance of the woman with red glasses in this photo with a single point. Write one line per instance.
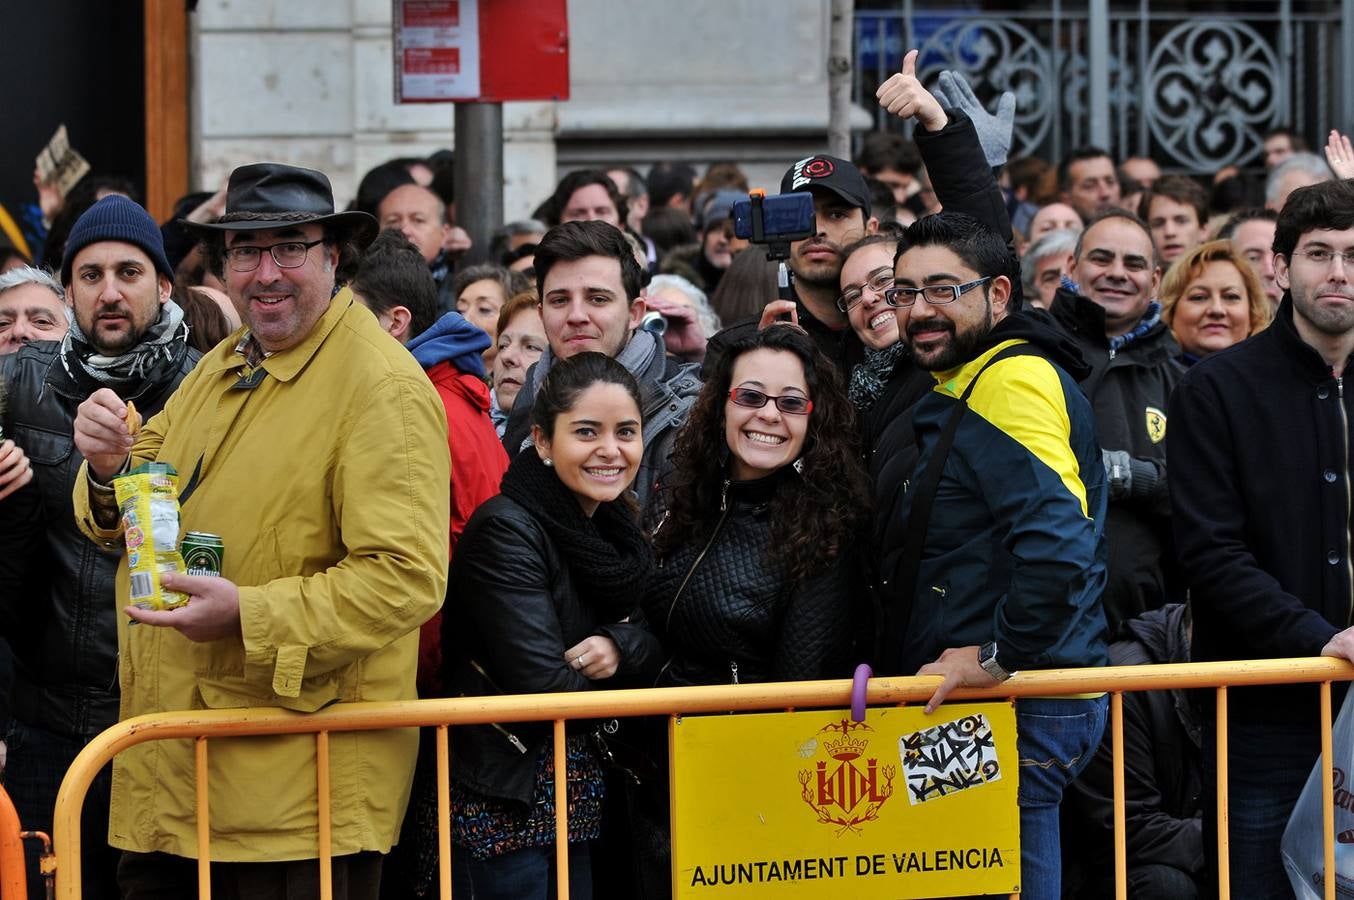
(755, 574)
(754, 582)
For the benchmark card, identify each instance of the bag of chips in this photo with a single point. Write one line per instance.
(148, 502)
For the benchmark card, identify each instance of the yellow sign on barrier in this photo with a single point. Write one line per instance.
(814, 805)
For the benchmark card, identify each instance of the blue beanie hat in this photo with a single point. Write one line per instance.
(115, 218)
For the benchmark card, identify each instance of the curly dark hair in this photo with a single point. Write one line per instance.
(814, 521)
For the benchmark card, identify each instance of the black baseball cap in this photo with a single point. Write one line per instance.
(837, 175)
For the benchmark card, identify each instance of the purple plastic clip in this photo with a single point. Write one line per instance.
(858, 684)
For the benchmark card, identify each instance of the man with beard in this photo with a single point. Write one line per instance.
(1005, 574)
(1266, 546)
(315, 447)
(841, 208)
(129, 339)
(1108, 307)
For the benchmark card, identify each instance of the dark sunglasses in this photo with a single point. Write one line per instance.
(790, 404)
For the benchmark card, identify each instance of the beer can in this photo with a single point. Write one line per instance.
(203, 553)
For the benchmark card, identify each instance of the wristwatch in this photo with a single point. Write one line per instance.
(987, 658)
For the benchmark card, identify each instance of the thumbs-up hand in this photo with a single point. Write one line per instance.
(904, 96)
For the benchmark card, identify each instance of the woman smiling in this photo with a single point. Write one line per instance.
(754, 583)
(544, 579)
(1212, 299)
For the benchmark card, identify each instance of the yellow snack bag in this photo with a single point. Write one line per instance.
(148, 502)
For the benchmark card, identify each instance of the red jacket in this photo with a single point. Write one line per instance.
(478, 462)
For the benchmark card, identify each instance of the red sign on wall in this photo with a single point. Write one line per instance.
(480, 50)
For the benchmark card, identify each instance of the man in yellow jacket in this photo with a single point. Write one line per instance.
(313, 444)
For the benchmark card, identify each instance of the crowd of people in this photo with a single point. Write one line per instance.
(632, 451)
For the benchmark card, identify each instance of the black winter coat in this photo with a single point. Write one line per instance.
(1261, 476)
(1162, 769)
(1130, 391)
(62, 609)
(725, 613)
(512, 610)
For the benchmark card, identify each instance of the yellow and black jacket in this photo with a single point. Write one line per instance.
(1015, 548)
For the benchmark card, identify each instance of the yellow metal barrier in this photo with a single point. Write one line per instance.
(203, 725)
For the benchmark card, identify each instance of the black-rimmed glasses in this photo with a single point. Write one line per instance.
(935, 294)
(790, 404)
(878, 281)
(287, 255)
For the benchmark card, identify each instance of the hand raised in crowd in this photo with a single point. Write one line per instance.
(15, 469)
(1340, 155)
(960, 668)
(101, 433)
(210, 209)
(595, 657)
(49, 197)
(212, 611)
(684, 337)
(994, 131)
(904, 96)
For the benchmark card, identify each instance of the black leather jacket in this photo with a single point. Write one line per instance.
(59, 613)
(512, 610)
(724, 612)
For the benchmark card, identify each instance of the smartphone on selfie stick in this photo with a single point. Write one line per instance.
(775, 222)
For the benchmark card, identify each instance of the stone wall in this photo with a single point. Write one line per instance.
(310, 82)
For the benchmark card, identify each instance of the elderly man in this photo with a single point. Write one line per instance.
(32, 308)
(315, 447)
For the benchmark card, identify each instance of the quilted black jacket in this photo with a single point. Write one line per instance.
(724, 611)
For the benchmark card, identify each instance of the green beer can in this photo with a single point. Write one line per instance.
(202, 553)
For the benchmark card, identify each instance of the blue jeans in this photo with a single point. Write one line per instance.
(1055, 739)
(527, 874)
(1267, 766)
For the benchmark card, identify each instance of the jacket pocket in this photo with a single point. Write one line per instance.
(315, 693)
(44, 448)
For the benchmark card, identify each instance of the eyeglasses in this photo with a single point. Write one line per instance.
(790, 404)
(1322, 256)
(287, 255)
(878, 281)
(935, 294)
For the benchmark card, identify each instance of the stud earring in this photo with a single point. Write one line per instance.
(549, 463)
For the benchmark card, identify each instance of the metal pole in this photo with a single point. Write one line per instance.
(1098, 88)
(479, 174)
(839, 78)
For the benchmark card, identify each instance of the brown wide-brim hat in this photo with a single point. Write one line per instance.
(267, 196)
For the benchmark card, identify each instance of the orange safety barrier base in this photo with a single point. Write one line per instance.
(203, 725)
(13, 880)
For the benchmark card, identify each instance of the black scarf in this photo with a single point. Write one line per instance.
(607, 553)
